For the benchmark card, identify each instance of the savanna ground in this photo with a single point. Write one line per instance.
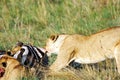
(33, 21)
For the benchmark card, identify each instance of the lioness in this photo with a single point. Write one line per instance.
(10, 69)
(85, 49)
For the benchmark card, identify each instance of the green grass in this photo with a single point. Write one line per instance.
(33, 21)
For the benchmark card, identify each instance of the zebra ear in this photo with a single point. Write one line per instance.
(19, 43)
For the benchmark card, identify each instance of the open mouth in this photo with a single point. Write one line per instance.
(2, 71)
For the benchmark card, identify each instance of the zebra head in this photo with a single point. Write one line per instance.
(29, 55)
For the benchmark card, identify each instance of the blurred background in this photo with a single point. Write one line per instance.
(35, 20)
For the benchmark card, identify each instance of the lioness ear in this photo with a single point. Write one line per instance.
(54, 37)
(19, 43)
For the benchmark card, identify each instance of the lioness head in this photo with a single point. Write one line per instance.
(10, 68)
(54, 43)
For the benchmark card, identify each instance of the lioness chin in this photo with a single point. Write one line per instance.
(85, 49)
(10, 69)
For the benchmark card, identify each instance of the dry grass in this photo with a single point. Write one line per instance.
(105, 70)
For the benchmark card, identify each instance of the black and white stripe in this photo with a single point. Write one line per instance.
(30, 55)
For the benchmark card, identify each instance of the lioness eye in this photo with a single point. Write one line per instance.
(4, 64)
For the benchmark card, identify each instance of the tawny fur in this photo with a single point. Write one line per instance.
(13, 69)
(85, 49)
